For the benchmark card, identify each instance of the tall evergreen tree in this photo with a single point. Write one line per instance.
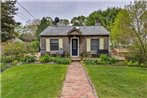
(8, 10)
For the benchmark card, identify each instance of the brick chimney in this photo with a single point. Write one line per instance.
(97, 23)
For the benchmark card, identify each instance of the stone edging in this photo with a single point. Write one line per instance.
(90, 82)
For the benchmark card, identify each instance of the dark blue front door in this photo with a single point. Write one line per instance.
(74, 47)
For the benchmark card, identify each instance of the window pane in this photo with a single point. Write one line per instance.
(94, 44)
(54, 40)
(54, 44)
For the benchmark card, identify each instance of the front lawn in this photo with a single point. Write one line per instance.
(33, 81)
(118, 81)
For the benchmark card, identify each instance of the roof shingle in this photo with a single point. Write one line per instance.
(62, 30)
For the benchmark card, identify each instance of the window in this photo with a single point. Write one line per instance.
(94, 44)
(54, 44)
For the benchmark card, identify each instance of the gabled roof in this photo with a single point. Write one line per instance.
(74, 30)
(63, 30)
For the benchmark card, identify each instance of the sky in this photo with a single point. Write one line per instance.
(64, 9)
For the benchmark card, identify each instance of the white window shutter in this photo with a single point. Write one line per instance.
(60, 43)
(88, 44)
(101, 43)
(47, 45)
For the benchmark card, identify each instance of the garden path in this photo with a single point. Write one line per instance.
(77, 83)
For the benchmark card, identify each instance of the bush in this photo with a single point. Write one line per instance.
(66, 54)
(3, 66)
(135, 64)
(104, 59)
(90, 62)
(14, 62)
(63, 61)
(44, 58)
(143, 65)
(35, 45)
(84, 54)
(60, 60)
(113, 60)
(15, 50)
(29, 58)
(9, 59)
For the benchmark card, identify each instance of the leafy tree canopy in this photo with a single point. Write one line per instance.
(78, 21)
(105, 17)
(130, 29)
(63, 22)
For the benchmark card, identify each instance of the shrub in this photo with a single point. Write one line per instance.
(143, 65)
(60, 60)
(3, 66)
(113, 60)
(14, 62)
(44, 58)
(84, 54)
(132, 63)
(35, 45)
(8, 59)
(90, 62)
(104, 59)
(29, 58)
(63, 61)
(66, 54)
(15, 50)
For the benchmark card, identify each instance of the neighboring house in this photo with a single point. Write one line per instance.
(119, 53)
(74, 40)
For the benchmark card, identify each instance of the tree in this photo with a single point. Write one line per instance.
(8, 10)
(130, 28)
(105, 17)
(27, 32)
(27, 37)
(31, 26)
(119, 33)
(63, 22)
(45, 22)
(78, 21)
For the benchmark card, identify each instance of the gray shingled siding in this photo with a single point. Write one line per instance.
(82, 43)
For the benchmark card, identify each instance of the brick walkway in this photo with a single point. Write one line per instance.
(76, 84)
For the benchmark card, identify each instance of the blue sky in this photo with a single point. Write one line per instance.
(65, 9)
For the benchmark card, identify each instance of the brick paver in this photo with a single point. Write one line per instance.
(76, 84)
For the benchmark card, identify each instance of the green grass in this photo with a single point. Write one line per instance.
(33, 81)
(118, 82)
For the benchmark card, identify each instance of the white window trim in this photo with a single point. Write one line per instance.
(50, 45)
(71, 46)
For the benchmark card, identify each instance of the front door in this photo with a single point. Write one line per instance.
(74, 47)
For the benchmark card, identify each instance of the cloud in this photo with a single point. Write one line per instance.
(64, 9)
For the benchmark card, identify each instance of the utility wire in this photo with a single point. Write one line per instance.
(25, 9)
(21, 17)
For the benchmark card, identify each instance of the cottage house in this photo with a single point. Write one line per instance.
(74, 40)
